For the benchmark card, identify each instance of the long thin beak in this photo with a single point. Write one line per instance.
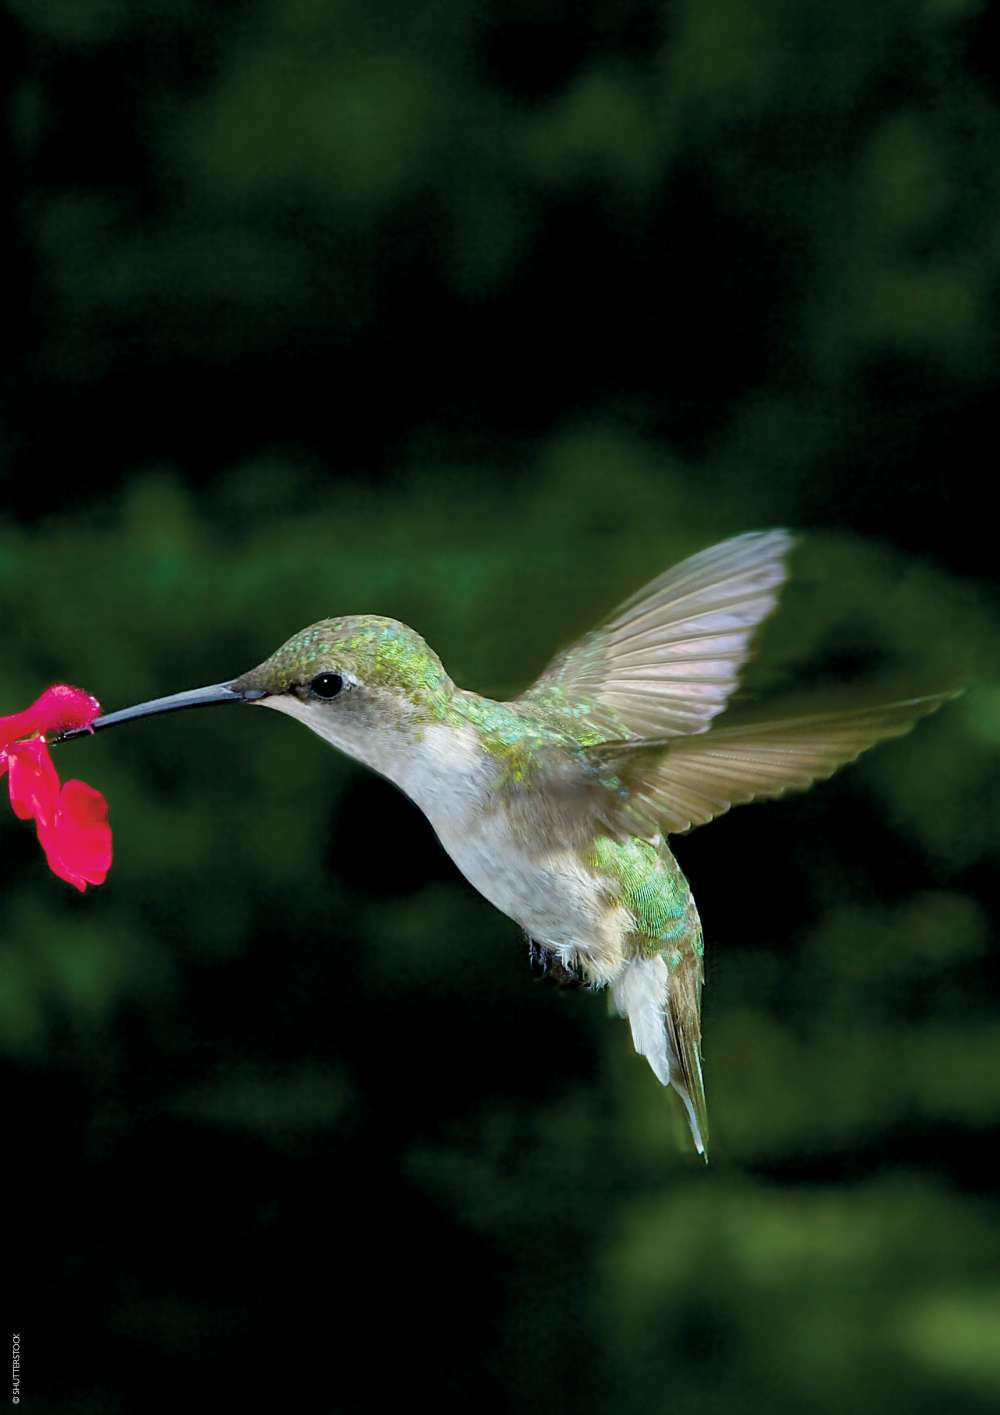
(194, 697)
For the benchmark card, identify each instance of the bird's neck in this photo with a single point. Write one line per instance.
(445, 771)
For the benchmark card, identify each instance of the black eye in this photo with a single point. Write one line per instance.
(326, 685)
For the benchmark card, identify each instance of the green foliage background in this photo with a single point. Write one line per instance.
(478, 315)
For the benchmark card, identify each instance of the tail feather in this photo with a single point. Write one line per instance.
(683, 1019)
(663, 1010)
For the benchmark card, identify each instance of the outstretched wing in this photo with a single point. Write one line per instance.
(673, 784)
(667, 660)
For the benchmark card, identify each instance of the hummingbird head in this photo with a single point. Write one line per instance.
(365, 684)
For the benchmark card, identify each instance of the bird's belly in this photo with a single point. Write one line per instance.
(553, 897)
(549, 892)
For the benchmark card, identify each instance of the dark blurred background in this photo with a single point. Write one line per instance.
(478, 315)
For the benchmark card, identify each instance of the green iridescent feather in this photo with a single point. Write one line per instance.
(656, 894)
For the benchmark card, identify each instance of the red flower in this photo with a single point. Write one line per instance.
(72, 819)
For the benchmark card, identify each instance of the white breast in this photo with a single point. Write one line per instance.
(549, 893)
(445, 771)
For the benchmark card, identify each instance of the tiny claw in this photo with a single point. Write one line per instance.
(538, 958)
(564, 977)
(545, 964)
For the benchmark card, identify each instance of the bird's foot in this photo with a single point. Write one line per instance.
(545, 964)
(538, 958)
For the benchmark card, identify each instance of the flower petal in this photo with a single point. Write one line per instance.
(57, 710)
(18, 724)
(81, 838)
(33, 781)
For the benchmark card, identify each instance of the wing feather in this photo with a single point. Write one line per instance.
(667, 660)
(675, 784)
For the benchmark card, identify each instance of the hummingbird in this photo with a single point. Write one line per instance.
(557, 805)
